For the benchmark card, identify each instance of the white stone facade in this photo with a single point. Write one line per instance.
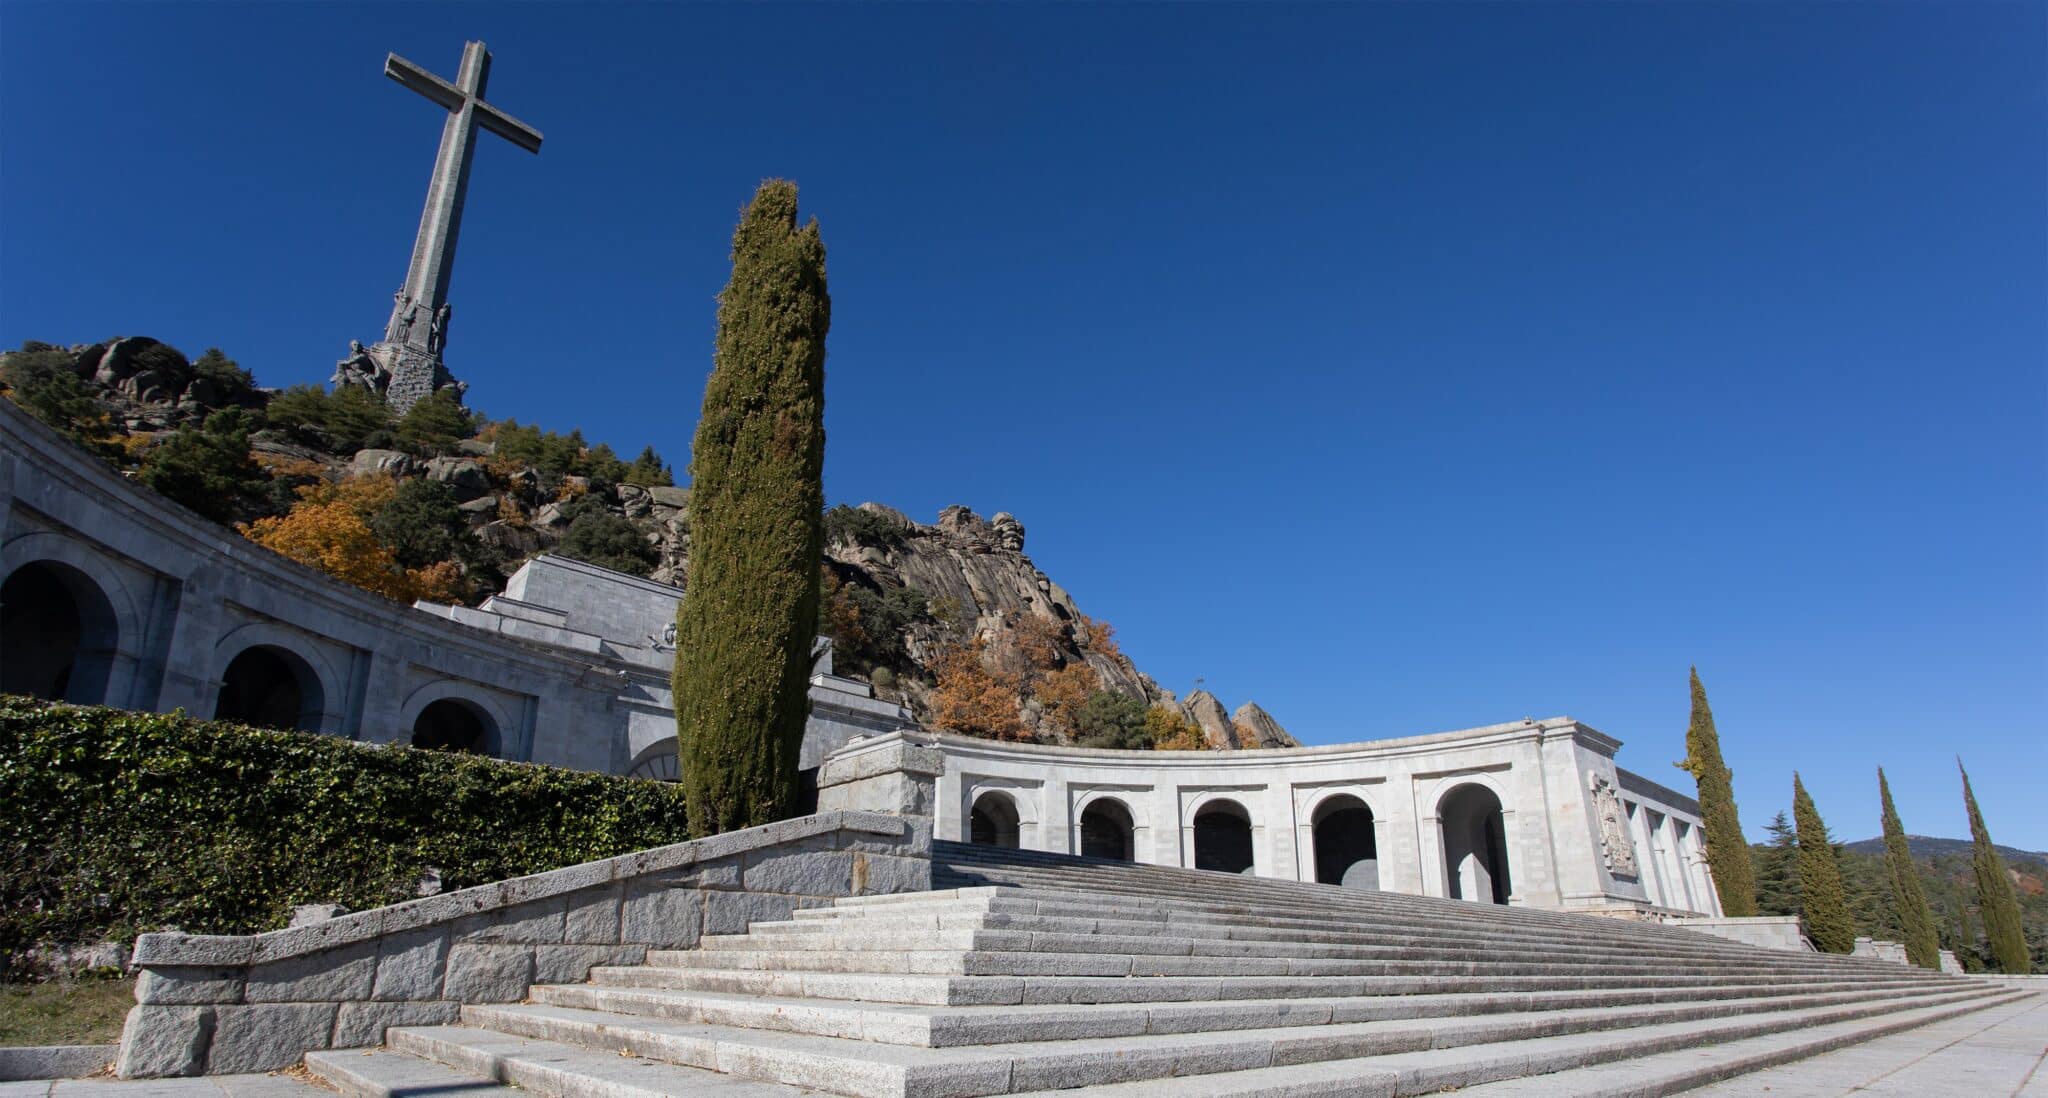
(1508, 813)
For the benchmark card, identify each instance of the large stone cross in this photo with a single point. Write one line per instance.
(420, 314)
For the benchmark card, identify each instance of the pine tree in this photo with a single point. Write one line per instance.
(1909, 899)
(1822, 899)
(1777, 881)
(2001, 909)
(745, 628)
(1727, 850)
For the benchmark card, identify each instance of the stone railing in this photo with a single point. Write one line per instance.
(216, 1004)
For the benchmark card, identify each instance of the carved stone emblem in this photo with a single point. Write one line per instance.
(1614, 841)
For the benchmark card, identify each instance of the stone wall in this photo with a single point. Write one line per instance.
(219, 1004)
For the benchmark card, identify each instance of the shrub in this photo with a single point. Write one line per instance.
(973, 699)
(344, 421)
(852, 526)
(40, 379)
(121, 822)
(1112, 720)
(605, 539)
(208, 469)
(1171, 730)
(234, 384)
(648, 471)
(435, 425)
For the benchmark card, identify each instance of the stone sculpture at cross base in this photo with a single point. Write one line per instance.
(406, 366)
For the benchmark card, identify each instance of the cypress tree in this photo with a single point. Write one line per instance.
(2001, 909)
(1822, 899)
(1909, 899)
(750, 615)
(1727, 850)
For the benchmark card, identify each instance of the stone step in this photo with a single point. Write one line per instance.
(1683, 1070)
(947, 1027)
(944, 990)
(871, 1070)
(987, 916)
(1176, 940)
(569, 1071)
(385, 1073)
(1026, 963)
(1581, 930)
(1544, 1066)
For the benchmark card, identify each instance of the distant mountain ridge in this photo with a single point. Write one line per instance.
(1926, 846)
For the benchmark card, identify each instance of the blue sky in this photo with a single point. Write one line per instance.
(1402, 367)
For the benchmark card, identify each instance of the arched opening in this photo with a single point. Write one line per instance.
(58, 634)
(993, 821)
(451, 724)
(1347, 852)
(659, 763)
(1106, 830)
(270, 687)
(1223, 838)
(1475, 845)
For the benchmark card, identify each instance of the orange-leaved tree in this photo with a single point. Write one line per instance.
(329, 529)
(971, 698)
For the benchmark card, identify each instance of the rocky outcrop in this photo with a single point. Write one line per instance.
(1257, 728)
(1209, 715)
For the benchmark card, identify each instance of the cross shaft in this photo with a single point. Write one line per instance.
(420, 310)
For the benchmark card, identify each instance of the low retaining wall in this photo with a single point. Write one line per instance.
(217, 1004)
(18, 1064)
(1768, 931)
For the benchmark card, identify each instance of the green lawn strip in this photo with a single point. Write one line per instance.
(64, 1012)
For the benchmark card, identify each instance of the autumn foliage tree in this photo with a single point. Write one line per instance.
(972, 698)
(329, 529)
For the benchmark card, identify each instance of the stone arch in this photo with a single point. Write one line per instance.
(1223, 836)
(1346, 842)
(1107, 830)
(276, 653)
(266, 686)
(659, 761)
(61, 630)
(487, 732)
(1475, 845)
(994, 820)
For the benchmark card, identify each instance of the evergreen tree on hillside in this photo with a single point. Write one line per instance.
(1777, 880)
(1995, 899)
(1909, 899)
(1821, 897)
(1727, 850)
(746, 625)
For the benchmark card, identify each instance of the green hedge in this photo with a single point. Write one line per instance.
(114, 822)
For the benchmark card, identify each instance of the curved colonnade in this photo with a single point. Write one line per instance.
(1507, 814)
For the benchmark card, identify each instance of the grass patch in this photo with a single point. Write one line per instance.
(64, 1012)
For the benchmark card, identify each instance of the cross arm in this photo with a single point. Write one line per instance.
(507, 127)
(420, 80)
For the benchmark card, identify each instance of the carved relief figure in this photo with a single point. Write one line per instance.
(1614, 841)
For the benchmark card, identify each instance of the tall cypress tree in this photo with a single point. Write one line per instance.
(1727, 850)
(2001, 909)
(1822, 899)
(1909, 899)
(750, 612)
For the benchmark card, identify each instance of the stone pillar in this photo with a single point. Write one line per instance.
(896, 773)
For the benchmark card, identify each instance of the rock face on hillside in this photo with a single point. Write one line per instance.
(910, 592)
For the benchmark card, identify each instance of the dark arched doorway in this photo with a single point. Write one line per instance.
(270, 687)
(452, 725)
(1223, 838)
(1475, 845)
(993, 821)
(58, 634)
(1106, 830)
(1347, 853)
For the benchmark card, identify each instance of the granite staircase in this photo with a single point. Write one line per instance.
(1025, 972)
